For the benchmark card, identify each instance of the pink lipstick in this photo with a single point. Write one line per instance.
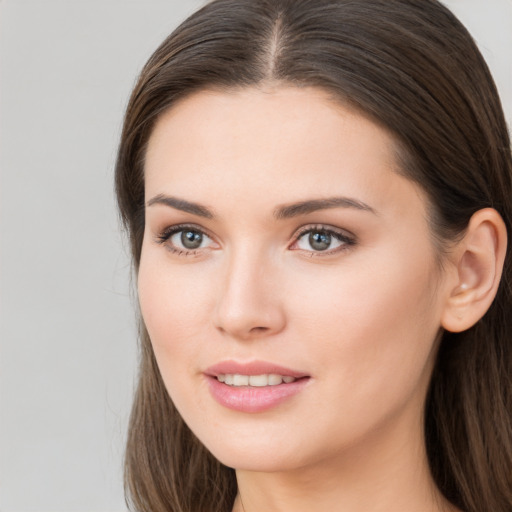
(253, 387)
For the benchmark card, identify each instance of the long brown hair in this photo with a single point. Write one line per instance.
(413, 68)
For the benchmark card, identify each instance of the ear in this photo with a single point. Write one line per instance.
(478, 262)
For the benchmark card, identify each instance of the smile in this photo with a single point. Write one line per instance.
(254, 387)
(238, 380)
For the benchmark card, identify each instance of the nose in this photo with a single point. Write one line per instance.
(249, 304)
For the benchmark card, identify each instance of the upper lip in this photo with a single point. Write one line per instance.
(252, 368)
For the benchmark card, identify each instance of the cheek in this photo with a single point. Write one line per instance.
(175, 305)
(174, 308)
(371, 295)
(374, 325)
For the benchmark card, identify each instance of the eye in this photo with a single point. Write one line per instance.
(188, 239)
(185, 239)
(322, 239)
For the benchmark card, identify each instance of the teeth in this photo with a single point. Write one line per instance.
(274, 380)
(258, 380)
(240, 380)
(271, 379)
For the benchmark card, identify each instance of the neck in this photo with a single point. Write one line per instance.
(375, 477)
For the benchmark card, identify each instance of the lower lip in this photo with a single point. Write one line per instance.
(254, 399)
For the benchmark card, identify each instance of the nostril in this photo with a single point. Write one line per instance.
(258, 329)
(243, 315)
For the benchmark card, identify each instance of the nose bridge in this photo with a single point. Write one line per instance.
(248, 304)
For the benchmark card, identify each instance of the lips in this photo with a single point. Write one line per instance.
(253, 387)
(252, 368)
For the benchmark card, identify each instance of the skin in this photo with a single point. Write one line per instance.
(361, 319)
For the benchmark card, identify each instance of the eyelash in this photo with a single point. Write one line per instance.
(347, 240)
(164, 237)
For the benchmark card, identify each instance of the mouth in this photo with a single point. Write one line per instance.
(257, 381)
(253, 387)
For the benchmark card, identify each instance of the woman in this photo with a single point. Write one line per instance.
(317, 195)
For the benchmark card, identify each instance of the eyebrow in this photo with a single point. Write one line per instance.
(181, 204)
(313, 205)
(282, 212)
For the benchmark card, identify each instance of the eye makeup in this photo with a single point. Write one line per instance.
(322, 240)
(315, 240)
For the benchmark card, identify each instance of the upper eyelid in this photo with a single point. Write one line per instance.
(323, 227)
(176, 228)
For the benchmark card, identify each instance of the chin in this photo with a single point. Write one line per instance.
(264, 455)
(255, 461)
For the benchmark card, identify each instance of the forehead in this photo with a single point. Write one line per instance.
(284, 143)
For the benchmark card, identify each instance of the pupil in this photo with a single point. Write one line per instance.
(191, 239)
(319, 241)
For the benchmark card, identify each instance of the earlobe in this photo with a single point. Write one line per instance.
(478, 259)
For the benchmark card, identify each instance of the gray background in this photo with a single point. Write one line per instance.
(68, 343)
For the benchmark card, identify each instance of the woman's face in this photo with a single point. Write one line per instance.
(288, 279)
